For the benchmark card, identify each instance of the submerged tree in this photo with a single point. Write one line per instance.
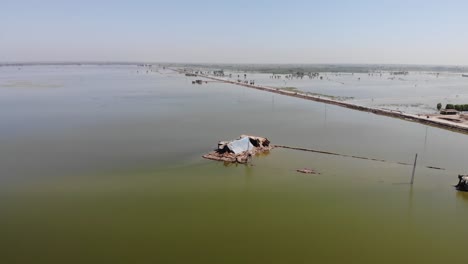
(439, 106)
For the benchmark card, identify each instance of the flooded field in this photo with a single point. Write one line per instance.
(416, 92)
(103, 164)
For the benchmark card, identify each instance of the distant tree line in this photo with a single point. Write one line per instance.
(458, 107)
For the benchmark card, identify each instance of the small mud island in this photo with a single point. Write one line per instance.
(239, 150)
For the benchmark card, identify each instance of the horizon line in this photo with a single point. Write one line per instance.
(130, 62)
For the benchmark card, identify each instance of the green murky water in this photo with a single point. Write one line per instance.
(104, 167)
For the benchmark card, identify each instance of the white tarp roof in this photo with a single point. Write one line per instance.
(240, 145)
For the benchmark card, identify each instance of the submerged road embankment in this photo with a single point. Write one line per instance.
(423, 119)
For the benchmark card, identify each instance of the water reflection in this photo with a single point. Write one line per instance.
(410, 202)
(262, 154)
(462, 195)
(166, 122)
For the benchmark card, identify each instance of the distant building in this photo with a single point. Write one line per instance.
(448, 112)
(218, 73)
(399, 73)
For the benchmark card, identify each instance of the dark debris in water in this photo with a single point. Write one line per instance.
(307, 171)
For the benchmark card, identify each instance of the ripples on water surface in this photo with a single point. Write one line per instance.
(102, 164)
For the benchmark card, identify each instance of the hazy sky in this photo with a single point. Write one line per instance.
(397, 31)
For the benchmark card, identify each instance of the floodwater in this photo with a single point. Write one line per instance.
(102, 164)
(417, 92)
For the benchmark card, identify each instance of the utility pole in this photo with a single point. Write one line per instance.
(414, 168)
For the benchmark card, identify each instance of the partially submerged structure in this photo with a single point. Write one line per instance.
(462, 183)
(448, 112)
(218, 73)
(240, 150)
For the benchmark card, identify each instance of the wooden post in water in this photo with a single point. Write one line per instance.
(414, 168)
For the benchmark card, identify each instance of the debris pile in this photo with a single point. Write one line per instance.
(240, 150)
(462, 183)
(307, 171)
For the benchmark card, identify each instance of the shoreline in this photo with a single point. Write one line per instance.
(422, 119)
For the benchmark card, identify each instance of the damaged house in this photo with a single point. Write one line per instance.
(240, 150)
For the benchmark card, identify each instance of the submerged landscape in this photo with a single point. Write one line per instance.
(103, 163)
